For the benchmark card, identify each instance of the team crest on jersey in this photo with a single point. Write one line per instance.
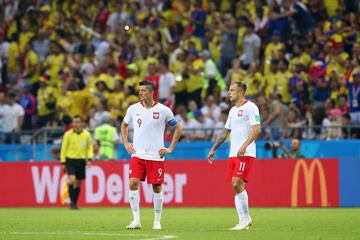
(240, 113)
(156, 115)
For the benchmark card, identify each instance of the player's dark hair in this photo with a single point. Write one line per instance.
(78, 116)
(11, 95)
(148, 84)
(241, 85)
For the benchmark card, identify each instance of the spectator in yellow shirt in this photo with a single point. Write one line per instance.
(272, 50)
(332, 7)
(300, 55)
(236, 73)
(25, 35)
(189, 40)
(338, 57)
(31, 64)
(46, 99)
(133, 79)
(178, 67)
(13, 58)
(115, 101)
(253, 80)
(142, 64)
(282, 81)
(102, 92)
(196, 81)
(75, 100)
(54, 63)
(270, 78)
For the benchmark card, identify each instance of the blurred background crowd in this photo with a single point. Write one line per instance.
(299, 59)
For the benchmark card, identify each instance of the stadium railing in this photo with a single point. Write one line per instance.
(41, 140)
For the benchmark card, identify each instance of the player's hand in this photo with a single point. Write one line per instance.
(241, 151)
(164, 151)
(211, 156)
(129, 148)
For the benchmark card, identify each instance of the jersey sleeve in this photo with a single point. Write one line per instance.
(257, 41)
(172, 80)
(128, 117)
(20, 111)
(64, 146)
(170, 118)
(254, 115)
(228, 122)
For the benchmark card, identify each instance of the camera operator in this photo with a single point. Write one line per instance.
(293, 153)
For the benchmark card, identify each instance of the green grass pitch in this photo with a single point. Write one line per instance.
(179, 223)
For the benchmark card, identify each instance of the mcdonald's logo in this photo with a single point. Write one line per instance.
(309, 182)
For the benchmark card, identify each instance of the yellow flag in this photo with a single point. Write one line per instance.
(64, 192)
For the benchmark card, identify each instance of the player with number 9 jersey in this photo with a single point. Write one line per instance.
(149, 127)
(149, 119)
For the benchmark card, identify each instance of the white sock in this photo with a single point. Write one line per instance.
(238, 208)
(242, 205)
(134, 200)
(158, 206)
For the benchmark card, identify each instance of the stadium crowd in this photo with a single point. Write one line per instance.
(299, 59)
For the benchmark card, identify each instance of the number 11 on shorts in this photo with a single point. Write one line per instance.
(242, 166)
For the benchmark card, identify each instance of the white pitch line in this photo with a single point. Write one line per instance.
(148, 236)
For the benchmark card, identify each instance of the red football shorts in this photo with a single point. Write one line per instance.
(239, 167)
(153, 171)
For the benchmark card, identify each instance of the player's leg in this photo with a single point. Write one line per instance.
(155, 176)
(137, 173)
(80, 172)
(70, 169)
(158, 205)
(241, 204)
(134, 199)
(241, 199)
(240, 177)
(72, 180)
(76, 189)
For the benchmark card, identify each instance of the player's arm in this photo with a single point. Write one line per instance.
(63, 152)
(287, 13)
(20, 122)
(124, 134)
(219, 140)
(254, 132)
(254, 119)
(175, 138)
(277, 111)
(286, 151)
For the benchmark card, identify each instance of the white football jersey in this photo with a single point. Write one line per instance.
(240, 121)
(149, 127)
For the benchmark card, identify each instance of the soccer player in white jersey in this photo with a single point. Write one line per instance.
(147, 151)
(243, 126)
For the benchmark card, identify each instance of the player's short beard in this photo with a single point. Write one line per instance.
(78, 128)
